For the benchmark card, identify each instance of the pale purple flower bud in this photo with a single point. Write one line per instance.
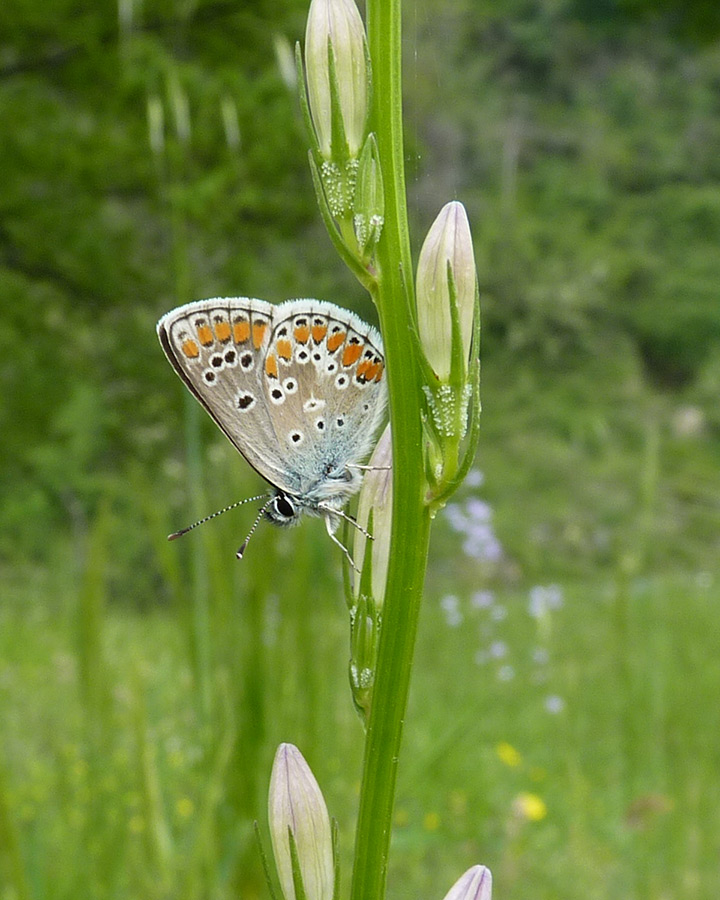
(475, 884)
(336, 23)
(295, 802)
(448, 241)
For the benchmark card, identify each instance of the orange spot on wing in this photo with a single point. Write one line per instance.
(363, 369)
(284, 349)
(205, 335)
(190, 349)
(334, 341)
(271, 366)
(381, 369)
(259, 329)
(222, 331)
(302, 333)
(318, 332)
(351, 354)
(374, 371)
(241, 331)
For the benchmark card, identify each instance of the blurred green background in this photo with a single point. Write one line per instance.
(564, 718)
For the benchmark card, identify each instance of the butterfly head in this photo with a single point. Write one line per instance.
(283, 509)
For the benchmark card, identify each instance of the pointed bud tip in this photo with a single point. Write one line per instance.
(475, 884)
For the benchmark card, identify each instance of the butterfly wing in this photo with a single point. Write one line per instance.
(218, 348)
(323, 381)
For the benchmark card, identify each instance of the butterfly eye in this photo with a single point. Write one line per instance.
(283, 507)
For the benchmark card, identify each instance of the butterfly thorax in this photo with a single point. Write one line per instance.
(330, 494)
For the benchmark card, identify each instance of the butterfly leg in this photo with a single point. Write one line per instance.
(335, 540)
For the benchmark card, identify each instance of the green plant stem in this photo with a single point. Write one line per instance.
(411, 520)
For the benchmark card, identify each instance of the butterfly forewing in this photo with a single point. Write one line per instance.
(216, 346)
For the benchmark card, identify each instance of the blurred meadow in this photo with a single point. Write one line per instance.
(564, 725)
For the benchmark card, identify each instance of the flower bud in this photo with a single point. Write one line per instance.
(475, 884)
(447, 245)
(369, 200)
(336, 24)
(296, 805)
(376, 502)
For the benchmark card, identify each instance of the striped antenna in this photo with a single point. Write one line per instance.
(176, 534)
(243, 546)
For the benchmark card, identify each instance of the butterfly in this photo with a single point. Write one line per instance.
(298, 388)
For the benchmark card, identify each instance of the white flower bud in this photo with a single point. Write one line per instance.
(448, 241)
(295, 803)
(336, 23)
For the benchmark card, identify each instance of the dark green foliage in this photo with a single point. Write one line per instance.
(584, 145)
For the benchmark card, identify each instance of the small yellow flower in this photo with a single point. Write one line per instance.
(184, 808)
(136, 824)
(508, 754)
(530, 807)
(431, 821)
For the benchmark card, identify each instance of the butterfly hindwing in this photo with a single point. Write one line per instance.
(324, 387)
